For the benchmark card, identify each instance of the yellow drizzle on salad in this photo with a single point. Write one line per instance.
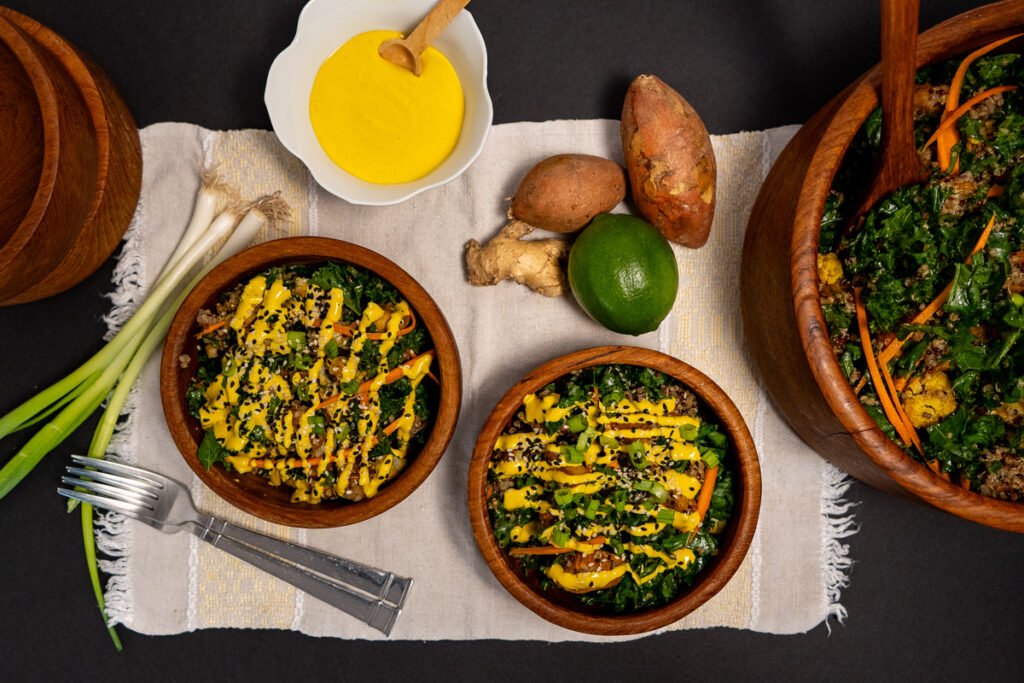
(247, 405)
(661, 445)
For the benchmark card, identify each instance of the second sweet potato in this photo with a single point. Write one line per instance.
(562, 193)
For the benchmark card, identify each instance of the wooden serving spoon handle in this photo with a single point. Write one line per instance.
(899, 163)
(434, 24)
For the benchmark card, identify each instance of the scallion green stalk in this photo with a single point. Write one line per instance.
(253, 221)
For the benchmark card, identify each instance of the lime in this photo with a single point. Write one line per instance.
(623, 273)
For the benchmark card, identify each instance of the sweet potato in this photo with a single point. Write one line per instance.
(670, 162)
(562, 193)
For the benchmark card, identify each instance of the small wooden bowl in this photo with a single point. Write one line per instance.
(561, 609)
(118, 174)
(250, 492)
(782, 314)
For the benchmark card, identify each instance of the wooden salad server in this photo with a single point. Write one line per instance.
(899, 163)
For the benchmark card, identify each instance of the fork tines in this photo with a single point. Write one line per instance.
(120, 468)
(111, 485)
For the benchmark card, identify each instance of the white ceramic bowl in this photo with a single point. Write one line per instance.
(324, 25)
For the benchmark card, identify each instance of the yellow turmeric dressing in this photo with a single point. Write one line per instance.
(380, 122)
(660, 466)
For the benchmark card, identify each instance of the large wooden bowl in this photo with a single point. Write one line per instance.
(118, 173)
(782, 316)
(250, 492)
(555, 606)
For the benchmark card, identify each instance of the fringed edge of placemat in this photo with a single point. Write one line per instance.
(838, 523)
(113, 533)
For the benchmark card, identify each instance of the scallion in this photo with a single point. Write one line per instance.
(112, 371)
(560, 537)
(577, 423)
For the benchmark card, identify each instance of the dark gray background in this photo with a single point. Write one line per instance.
(932, 597)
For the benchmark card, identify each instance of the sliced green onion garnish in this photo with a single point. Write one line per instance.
(577, 423)
(688, 432)
(296, 340)
(572, 455)
(563, 497)
(710, 457)
(643, 485)
(666, 515)
(560, 537)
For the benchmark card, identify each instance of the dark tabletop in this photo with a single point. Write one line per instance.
(931, 596)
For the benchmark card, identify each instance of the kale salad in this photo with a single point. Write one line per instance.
(611, 486)
(311, 376)
(924, 299)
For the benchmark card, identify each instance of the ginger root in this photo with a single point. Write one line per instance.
(534, 263)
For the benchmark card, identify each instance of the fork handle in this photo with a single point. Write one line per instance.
(373, 612)
(381, 584)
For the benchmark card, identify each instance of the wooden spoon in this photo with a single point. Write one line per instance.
(405, 52)
(899, 164)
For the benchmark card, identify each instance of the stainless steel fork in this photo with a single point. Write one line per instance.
(165, 504)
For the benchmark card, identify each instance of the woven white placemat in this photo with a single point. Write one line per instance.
(162, 584)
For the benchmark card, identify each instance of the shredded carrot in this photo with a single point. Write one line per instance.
(554, 549)
(911, 430)
(396, 373)
(894, 347)
(706, 489)
(390, 429)
(955, 115)
(950, 137)
(211, 328)
(953, 98)
(983, 239)
(329, 400)
(350, 330)
(861, 384)
(935, 467)
(540, 550)
(994, 191)
(965, 483)
(876, 377)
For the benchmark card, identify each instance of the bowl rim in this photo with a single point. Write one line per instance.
(322, 172)
(741, 527)
(310, 250)
(118, 153)
(16, 41)
(988, 23)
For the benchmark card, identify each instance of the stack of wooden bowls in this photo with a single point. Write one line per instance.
(72, 164)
